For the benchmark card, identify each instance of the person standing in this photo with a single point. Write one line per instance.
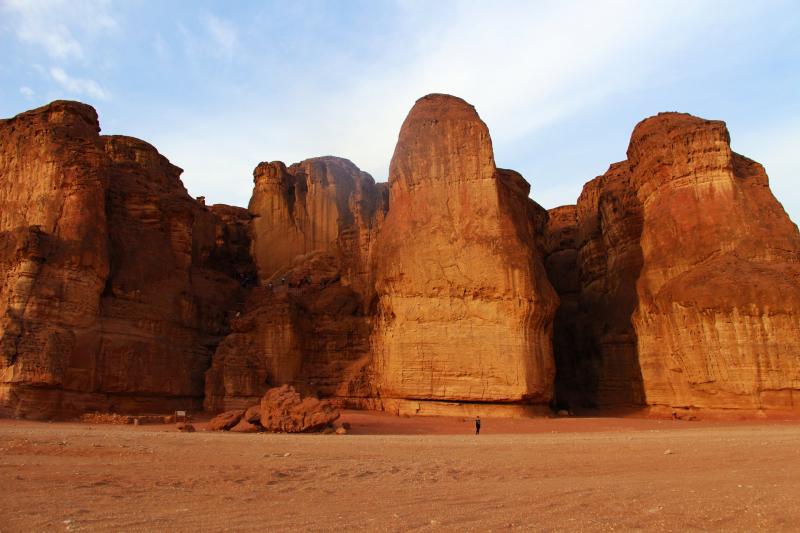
(477, 425)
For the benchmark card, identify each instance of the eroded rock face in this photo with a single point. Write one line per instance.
(116, 284)
(465, 308)
(324, 204)
(718, 320)
(594, 259)
(688, 271)
(308, 324)
(284, 410)
(678, 274)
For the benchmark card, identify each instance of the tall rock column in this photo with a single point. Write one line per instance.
(115, 285)
(308, 323)
(718, 320)
(465, 309)
(53, 255)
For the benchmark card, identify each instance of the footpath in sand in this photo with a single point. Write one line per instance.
(401, 474)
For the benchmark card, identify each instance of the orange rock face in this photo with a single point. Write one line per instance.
(677, 270)
(325, 204)
(114, 281)
(594, 259)
(465, 308)
(308, 324)
(718, 320)
(689, 278)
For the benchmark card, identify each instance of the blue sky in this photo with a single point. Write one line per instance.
(219, 86)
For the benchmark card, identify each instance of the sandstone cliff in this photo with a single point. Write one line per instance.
(324, 204)
(678, 274)
(308, 324)
(115, 283)
(689, 276)
(718, 320)
(465, 308)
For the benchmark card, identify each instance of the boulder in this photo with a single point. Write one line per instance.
(283, 410)
(225, 421)
(253, 414)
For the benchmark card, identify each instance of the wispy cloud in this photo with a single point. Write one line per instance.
(58, 26)
(27, 92)
(80, 86)
(524, 65)
(223, 34)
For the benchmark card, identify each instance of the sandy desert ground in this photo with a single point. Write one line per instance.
(405, 474)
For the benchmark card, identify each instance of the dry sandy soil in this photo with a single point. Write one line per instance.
(401, 474)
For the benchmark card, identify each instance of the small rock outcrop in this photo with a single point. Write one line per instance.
(284, 410)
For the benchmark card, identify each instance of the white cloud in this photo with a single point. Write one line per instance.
(27, 92)
(223, 34)
(79, 86)
(523, 65)
(58, 26)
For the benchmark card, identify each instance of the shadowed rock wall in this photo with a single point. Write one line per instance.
(689, 278)
(116, 284)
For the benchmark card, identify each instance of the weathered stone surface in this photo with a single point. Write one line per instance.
(225, 421)
(283, 409)
(689, 276)
(718, 320)
(114, 286)
(465, 308)
(324, 204)
(308, 324)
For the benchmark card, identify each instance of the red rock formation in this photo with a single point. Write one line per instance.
(466, 309)
(115, 283)
(308, 324)
(689, 271)
(679, 276)
(225, 421)
(597, 266)
(718, 320)
(284, 410)
(324, 204)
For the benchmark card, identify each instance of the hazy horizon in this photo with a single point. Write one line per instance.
(560, 85)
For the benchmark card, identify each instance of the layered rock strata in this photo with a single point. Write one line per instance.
(689, 276)
(465, 308)
(718, 317)
(115, 284)
(594, 259)
(308, 323)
